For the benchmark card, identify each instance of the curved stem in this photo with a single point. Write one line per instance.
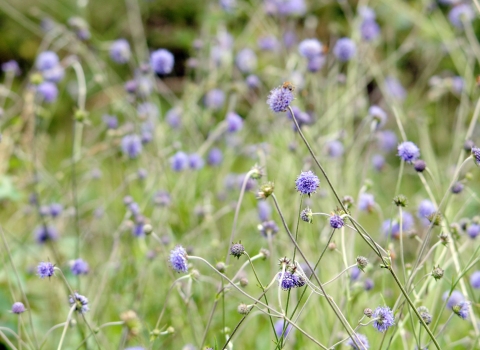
(72, 309)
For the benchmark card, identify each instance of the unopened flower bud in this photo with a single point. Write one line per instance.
(243, 309)
(221, 267)
(362, 262)
(243, 282)
(400, 200)
(368, 312)
(437, 273)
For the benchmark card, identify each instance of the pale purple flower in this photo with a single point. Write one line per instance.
(162, 61)
(120, 51)
(395, 89)
(246, 60)
(344, 49)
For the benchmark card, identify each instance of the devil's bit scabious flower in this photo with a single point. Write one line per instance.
(395, 89)
(366, 202)
(419, 165)
(234, 122)
(307, 182)
(288, 281)
(475, 280)
(246, 60)
(473, 230)
(48, 91)
(370, 30)
(195, 161)
(387, 140)
(80, 302)
(460, 13)
(335, 148)
(457, 188)
(45, 233)
(455, 298)
(425, 209)
(215, 157)
(237, 250)
(132, 145)
(336, 221)
(384, 318)
(268, 228)
(11, 66)
(264, 210)
(162, 61)
(179, 161)
(120, 51)
(18, 308)
(408, 151)
(378, 162)
(306, 215)
(79, 267)
(178, 259)
(476, 155)
(173, 117)
(280, 98)
(45, 269)
(214, 99)
(361, 340)
(310, 48)
(252, 81)
(46, 60)
(280, 325)
(461, 309)
(344, 49)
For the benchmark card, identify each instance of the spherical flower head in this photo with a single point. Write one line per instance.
(80, 302)
(162, 61)
(280, 98)
(228, 5)
(178, 259)
(378, 114)
(55, 209)
(473, 230)
(370, 30)
(335, 148)
(148, 111)
(336, 221)
(46, 60)
(120, 51)
(246, 60)
(307, 182)
(361, 340)
(195, 161)
(461, 309)
(214, 157)
(367, 13)
(368, 284)
(45, 233)
(268, 43)
(264, 210)
(454, 299)
(280, 325)
(48, 91)
(54, 74)
(310, 48)
(11, 66)
(306, 215)
(419, 165)
(395, 89)
(237, 250)
(460, 14)
(316, 63)
(131, 145)
(355, 273)
(18, 308)
(45, 269)
(214, 99)
(111, 121)
(476, 155)
(378, 162)
(268, 228)
(253, 81)
(173, 117)
(366, 202)
(234, 122)
(387, 140)
(384, 318)
(162, 198)
(457, 187)
(425, 209)
(344, 49)
(291, 7)
(287, 281)
(79, 267)
(475, 280)
(180, 161)
(408, 151)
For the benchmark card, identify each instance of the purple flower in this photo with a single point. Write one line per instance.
(367, 13)
(132, 145)
(461, 309)
(162, 61)
(378, 162)
(289, 38)
(46, 60)
(288, 281)
(253, 82)
(173, 117)
(179, 161)
(307, 182)
(378, 114)
(316, 63)
(366, 202)
(355, 273)
(234, 122)
(228, 5)
(120, 51)
(336, 221)
(473, 230)
(384, 318)
(162, 198)
(54, 74)
(335, 148)
(264, 210)
(368, 284)
(475, 280)
(79, 267)
(458, 83)
(280, 98)
(268, 228)
(178, 259)
(45, 269)
(195, 161)
(111, 121)
(214, 99)
(11, 66)
(18, 308)
(268, 43)
(460, 13)
(147, 111)
(457, 187)
(395, 89)
(344, 49)
(310, 48)
(392, 228)
(214, 157)
(454, 299)
(45, 233)
(476, 155)
(408, 151)
(246, 60)
(48, 91)
(425, 209)
(359, 339)
(55, 209)
(387, 140)
(369, 30)
(80, 302)
(280, 325)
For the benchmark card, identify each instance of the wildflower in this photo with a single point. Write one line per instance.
(306, 215)
(54, 74)
(473, 230)
(359, 339)
(307, 182)
(355, 273)
(48, 91)
(234, 122)
(408, 151)
(316, 63)
(214, 99)
(214, 157)
(46, 60)
(367, 13)
(368, 312)
(268, 228)
(419, 165)
(280, 98)
(252, 81)
(246, 60)
(264, 210)
(147, 111)
(369, 29)
(460, 14)
(336, 221)
(110, 121)
(476, 155)
(179, 161)
(195, 161)
(79, 267)
(80, 302)
(368, 284)
(394, 88)
(457, 187)
(45, 269)
(335, 148)
(80, 27)
(237, 250)
(11, 66)
(178, 259)
(425, 315)
(400, 200)
(425, 209)
(120, 51)
(453, 299)
(310, 48)
(280, 325)
(461, 309)
(162, 61)
(18, 308)
(344, 49)
(268, 43)
(172, 117)
(288, 281)
(45, 233)
(384, 318)
(387, 140)
(475, 280)
(366, 202)
(131, 145)
(378, 162)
